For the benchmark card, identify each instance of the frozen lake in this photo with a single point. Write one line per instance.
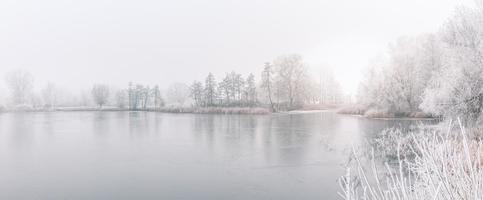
(139, 155)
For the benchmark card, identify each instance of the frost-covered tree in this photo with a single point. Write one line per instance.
(85, 98)
(136, 95)
(35, 100)
(403, 76)
(329, 90)
(121, 98)
(145, 96)
(370, 86)
(250, 91)
(291, 74)
(225, 90)
(310, 93)
(457, 89)
(210, 90)
(158, 99)
(130, 96)
(231, 89)
(197, 93)
(178, 93)
(50, 95)
(20, 84)
(267, 83)
(100, 94)
(397, 83)
(238, 83)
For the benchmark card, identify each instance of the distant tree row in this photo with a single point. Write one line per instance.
(284, 84)
(21, 83)
(287, 84)
(232, 90)
(142, 97)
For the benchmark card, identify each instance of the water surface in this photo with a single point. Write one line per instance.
(142, 155)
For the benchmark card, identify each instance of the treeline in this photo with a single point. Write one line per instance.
(232, 90)
(440, 73)
(284, 84)
(23, 96)
(140, 97)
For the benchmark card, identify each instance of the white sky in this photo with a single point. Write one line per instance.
(78, 43)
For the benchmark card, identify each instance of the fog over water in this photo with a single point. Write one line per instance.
(77, 43)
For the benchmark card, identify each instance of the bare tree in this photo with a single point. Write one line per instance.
(210, 90)
(329, 88)
(292, 74)
(135, 96)
(238, 83)
(178, 93)
(197, 93)
(267, 83)
(250, 91)
(85, 98)
(158, 99)
(130, 96)
(146, 94)
(100, 94)
(50, 95)
(121, 98)
(20, 84)
(225, 90)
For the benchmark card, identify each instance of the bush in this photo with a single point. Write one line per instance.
(419, 115)
(445, 166)
(216, 110)
(379, 114)
(352, 110)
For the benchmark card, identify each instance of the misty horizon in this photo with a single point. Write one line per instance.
(78, 44)
(241, 99)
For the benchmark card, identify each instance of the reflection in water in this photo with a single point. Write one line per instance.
(101, 123)
(20, 124)
(139, 124)
(143, 155)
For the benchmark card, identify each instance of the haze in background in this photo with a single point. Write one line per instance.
(77, 43)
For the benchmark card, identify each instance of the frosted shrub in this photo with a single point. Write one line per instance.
(352, 110)
(445, 167)
(391, 143)
(216, 110)
(373, 113)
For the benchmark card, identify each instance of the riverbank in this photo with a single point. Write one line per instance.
(215, 110)
(381, 114)
(339, 109)
(194, 110)
(172, 109)
(429, 164)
